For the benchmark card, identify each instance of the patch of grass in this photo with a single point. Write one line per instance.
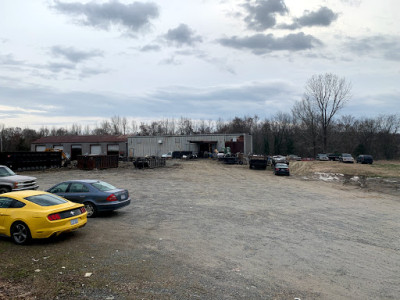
(387, 166)
(385, 169)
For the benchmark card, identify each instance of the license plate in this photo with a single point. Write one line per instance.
(74, 221)
(123, 197)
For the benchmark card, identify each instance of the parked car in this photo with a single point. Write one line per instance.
(365, 159)
(279, 159)
(281, 169)
(167, 155)
(346, 158)
(322, 157)
(9, 181)
(35, 214)
(294, 157)
(334, 156)
(96, 195)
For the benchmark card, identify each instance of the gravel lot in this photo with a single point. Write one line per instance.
(203, 230)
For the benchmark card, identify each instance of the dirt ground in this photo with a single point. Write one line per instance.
(203, 230)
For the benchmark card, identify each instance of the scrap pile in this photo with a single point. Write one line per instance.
(149, 162)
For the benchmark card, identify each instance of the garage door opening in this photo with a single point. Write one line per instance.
(75, 151)
(112, 149)
(205, 148)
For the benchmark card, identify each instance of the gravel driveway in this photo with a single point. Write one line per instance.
(203, 230)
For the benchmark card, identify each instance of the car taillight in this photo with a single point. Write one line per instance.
(276, 169)
(54, 217)
(112, 197)
(83, 210)
(15, 185)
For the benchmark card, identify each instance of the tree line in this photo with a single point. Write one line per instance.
(311, 127)
(284, 133)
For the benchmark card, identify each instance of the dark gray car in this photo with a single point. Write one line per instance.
(94, 194)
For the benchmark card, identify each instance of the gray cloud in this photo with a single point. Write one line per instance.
(74, 55)
(132, 17)
(182, 35)
(227, 101)
(9, 60)
(149, 48)
(263, 98)
(262, 15)
(261, 43)
(387, 47)
(323, 17)
(89, 72)
(219, 63)
(59, 67)
(368, 104)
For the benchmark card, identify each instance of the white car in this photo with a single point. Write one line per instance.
(346, 158)
(167, 155)
(322, 156)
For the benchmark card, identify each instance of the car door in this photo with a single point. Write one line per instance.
(5, 204)
(60, 189)
(77, 192)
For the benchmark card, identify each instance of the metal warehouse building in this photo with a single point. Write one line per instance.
(75, 145)
(198, 144)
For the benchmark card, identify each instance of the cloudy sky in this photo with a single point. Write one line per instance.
(65, 62)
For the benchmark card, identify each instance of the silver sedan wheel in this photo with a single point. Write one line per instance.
(90, 209)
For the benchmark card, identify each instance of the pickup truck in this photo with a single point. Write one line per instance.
(10, 182)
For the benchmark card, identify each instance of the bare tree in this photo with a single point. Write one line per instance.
(116, 125)
(185, 126)
(281, 125)
(2, 126)
(86, 130)
(307, 113)
(104, 128)
(134, 127)
(329, 93)
(44, 131)
(76, 129)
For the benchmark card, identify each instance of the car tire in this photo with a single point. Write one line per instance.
(4, 190)
(90, 209)
(20, 233)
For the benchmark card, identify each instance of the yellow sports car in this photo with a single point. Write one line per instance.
(35, 214)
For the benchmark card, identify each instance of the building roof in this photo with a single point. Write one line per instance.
(187, 135)
(82, 139)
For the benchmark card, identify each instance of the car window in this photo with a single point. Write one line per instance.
(5, 202)
(78, 187)
(4, 171)
(281, 165)
(17, 204)
(46, 200)
(60, 188)
(103, 186)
